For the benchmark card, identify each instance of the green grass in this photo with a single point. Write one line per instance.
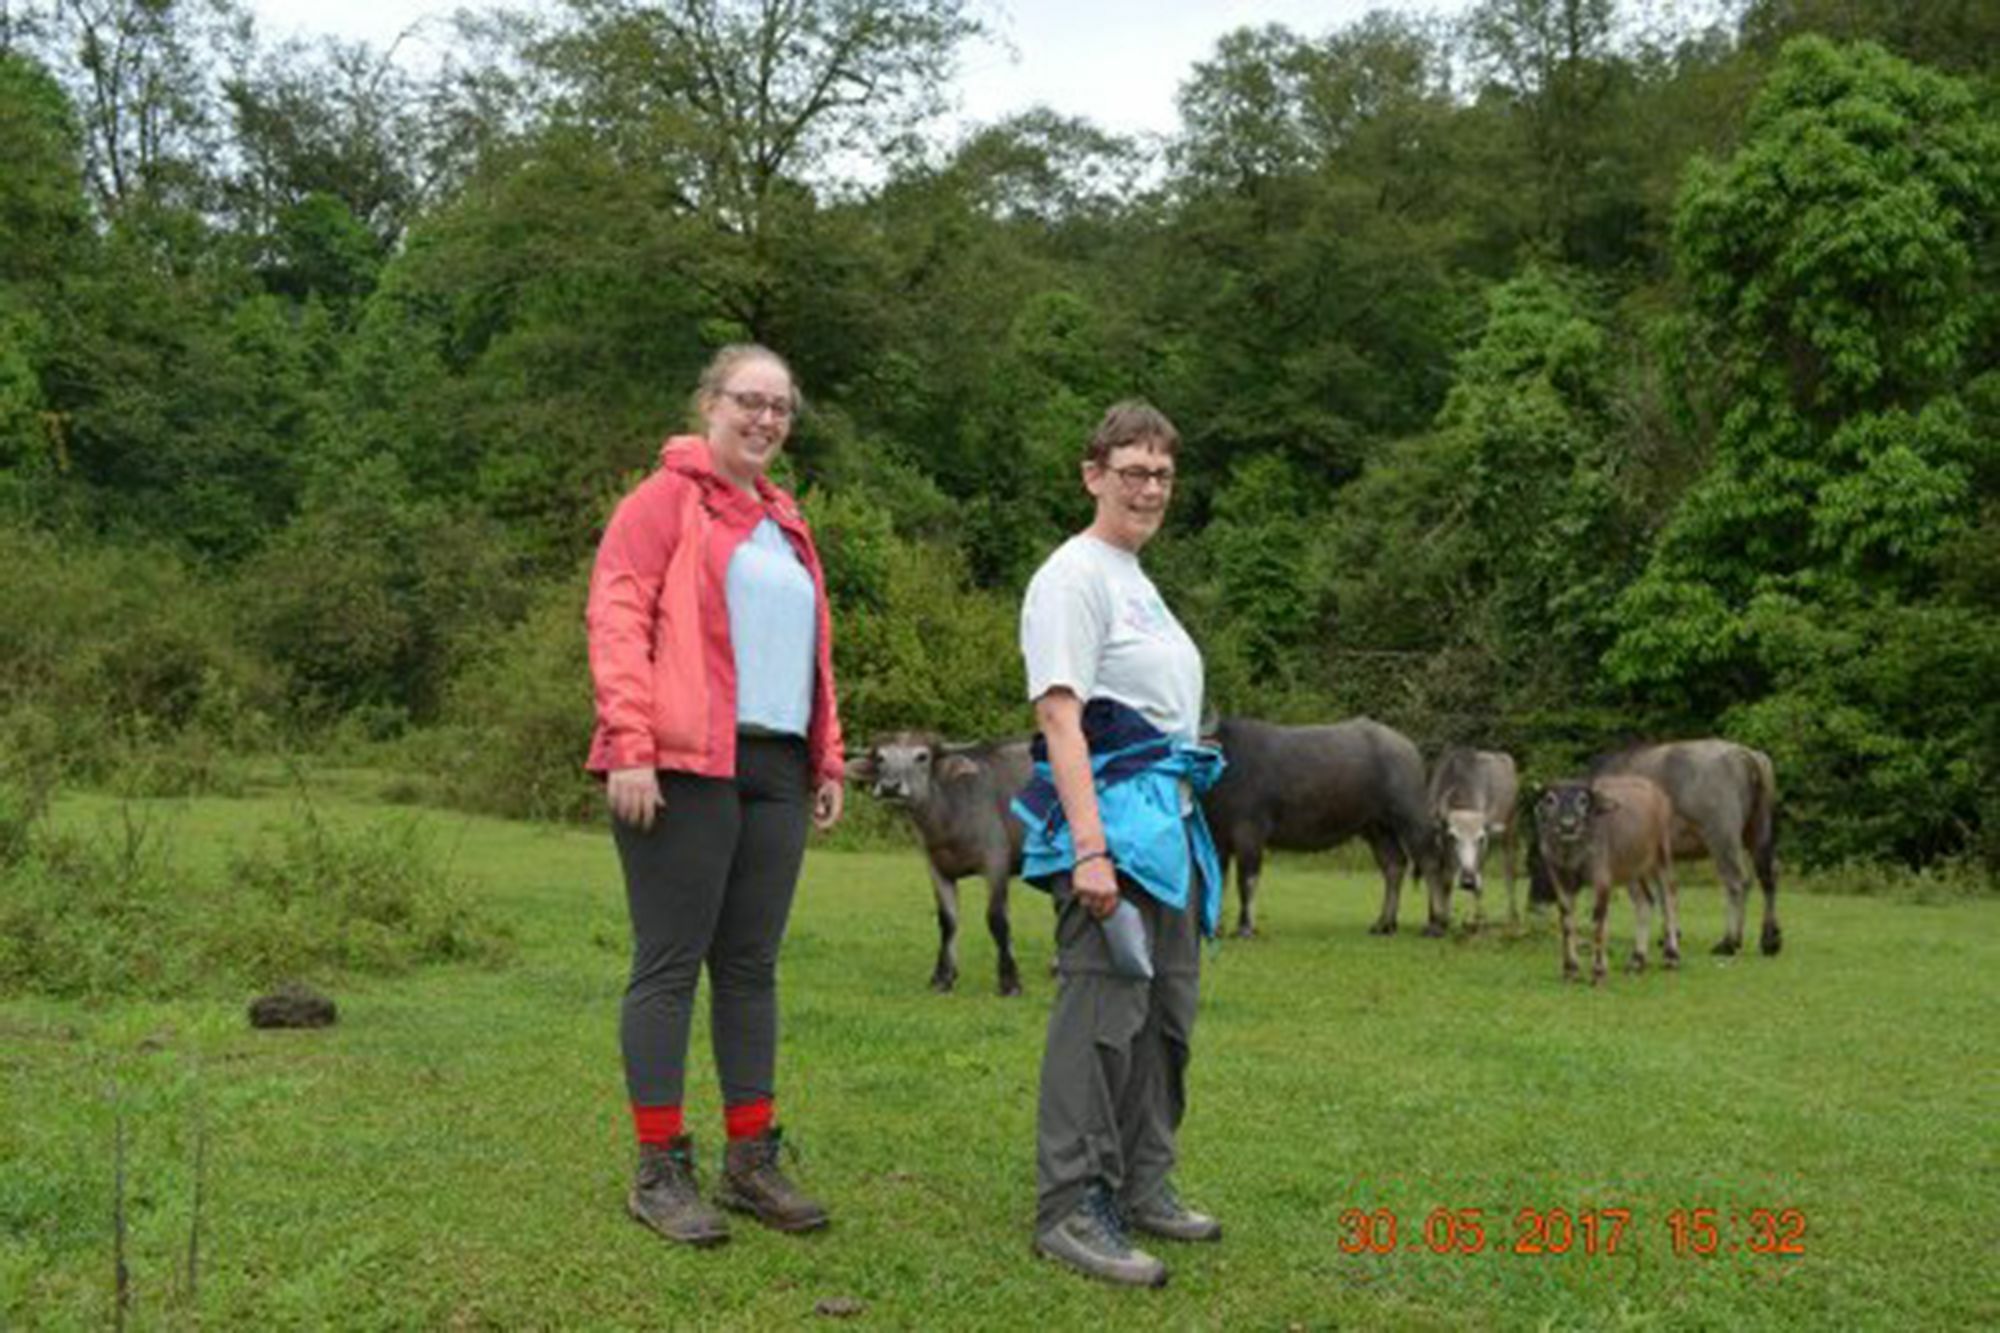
(454, 1153)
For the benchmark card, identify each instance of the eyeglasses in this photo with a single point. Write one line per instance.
(757, 404)
(1135, 478)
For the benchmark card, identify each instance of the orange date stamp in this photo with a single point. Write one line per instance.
(1694, 1232)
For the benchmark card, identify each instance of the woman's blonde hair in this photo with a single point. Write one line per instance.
(726, 362)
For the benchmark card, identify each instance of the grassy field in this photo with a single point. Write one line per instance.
(454, 1153)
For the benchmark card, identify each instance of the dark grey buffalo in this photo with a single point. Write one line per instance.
(1472, 799)
(1725, 799)
(1310, 788)
(1602, 832)
(957, 797)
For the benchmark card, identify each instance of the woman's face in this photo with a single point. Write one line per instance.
(748, 417)
(1132, 487)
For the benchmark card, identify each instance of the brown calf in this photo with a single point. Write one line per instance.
(1611, 829)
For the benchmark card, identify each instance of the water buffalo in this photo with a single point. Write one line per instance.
(1725, 797)
(1600, 832)
(957, 797)
(1472, 798)
(1309, 788)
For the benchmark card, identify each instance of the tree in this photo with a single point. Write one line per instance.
(1839, 269)
(729, 103)
(1555, 60)
(144, 86)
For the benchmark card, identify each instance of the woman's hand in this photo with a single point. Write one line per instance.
(634, 794)
(1095, 884)
(829, 799)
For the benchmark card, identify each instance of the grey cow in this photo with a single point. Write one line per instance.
(1472, 798)
(1310, 788)
(957, 797)
(1599, 833)
(1725, 799)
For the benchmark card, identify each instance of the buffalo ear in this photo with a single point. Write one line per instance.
(956, 766)
(1600, 804)
(861, 765)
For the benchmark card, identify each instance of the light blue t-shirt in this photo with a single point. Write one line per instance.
(774, 631)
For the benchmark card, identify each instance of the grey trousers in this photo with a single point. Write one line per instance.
(1114, 1068)
(711, 882)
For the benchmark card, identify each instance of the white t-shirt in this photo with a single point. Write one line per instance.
(1093, 622)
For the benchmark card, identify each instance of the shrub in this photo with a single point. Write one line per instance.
(518, 721)
(92, 915)
(93, 636)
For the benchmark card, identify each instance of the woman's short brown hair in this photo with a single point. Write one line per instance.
(1133, 421)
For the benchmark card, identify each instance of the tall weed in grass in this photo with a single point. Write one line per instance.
(1952, 879)
(117, 912)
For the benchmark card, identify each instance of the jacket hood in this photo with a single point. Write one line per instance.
(688, 455)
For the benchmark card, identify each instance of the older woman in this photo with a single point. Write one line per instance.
(717, 736)
(1115, 833)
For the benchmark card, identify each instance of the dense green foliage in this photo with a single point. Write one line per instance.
(1560, 375)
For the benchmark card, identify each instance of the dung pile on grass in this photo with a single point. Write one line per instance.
(117, 913)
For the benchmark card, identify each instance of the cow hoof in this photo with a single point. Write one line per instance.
(1382, 928)
(943, 982)
(1597, 976)
(1572, 975)
(1246, 932)
(1671, 962)
(1434, 930)
(1773, 940)
(1636, 963)
(1010, 986)
(1728, 948)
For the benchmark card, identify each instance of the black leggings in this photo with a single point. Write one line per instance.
(712, 881)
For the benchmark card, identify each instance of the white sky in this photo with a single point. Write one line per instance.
(1115, 62)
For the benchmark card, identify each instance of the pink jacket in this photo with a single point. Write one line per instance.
(658, 622)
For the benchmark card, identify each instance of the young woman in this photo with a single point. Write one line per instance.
(718, 738)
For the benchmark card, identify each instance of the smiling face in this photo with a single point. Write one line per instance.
(749, 415)
(1132, 487)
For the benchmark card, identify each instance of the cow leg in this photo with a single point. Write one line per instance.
(1003, 939)
(1771, 939)
(1670, 908)
(1566, 906)
(1389, 856)
(1507, 855)
(1249, 865)
(945, 975)
(1600, 917)
(1735, 886)
(1642, 930)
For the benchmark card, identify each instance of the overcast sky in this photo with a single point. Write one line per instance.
(1116, 62)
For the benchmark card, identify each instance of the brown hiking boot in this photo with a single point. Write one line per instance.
(752, 1182)
(667, 1197)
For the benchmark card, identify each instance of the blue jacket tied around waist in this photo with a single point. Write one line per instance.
(1139, 772)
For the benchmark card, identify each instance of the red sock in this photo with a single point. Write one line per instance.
(657, 1124)
(748, 1119)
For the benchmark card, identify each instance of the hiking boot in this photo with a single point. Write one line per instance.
(1092, 1241)
(1165, 1215)
(752, 1182)
(667, 1197)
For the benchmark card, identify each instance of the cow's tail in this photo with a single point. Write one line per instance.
(1763, 830)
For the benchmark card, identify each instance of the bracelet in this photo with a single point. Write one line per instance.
(1101, 854)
